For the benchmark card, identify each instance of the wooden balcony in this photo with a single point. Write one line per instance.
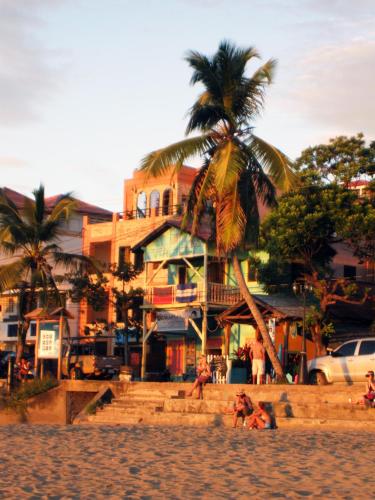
(168, 295)
(223, 294)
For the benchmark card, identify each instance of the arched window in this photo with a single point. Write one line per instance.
(167, 201)
(155, 202)
(141, 205)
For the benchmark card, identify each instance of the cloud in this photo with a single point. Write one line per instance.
(10, 161)
(336, 90)
(27, 75)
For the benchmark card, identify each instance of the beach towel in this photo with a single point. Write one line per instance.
(163, 295)
(186, 292)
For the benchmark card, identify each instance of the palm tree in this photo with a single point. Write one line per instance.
(29, 237)
(239, 169)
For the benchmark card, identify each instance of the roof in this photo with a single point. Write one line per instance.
(41, 313)
(278, 306)
(204, 232)
(17, 198)
(82, 207)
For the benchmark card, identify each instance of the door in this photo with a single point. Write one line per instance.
(343, 361)
(175, 356)
(366, 358)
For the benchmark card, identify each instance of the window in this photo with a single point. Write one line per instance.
(350, 272)
(141, 205)
(167, 202)
(181, 275)
(367, 347)
(33, 330)
(138, 261)
(252, 273)
(12, 330)
(123, 255)
(346, 349)
(10, 306)
(155, 202)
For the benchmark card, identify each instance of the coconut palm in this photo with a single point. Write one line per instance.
(239, 168)
(29, 238)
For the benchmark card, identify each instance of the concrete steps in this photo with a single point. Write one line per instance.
(292, 406)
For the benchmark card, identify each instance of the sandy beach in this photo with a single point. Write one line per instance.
(147, 462)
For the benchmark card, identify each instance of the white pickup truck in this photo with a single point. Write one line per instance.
(348, 363)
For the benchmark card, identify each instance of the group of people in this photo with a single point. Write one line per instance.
(253, 417)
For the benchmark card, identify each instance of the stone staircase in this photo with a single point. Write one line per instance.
(292, 406)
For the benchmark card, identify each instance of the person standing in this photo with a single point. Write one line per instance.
(258, 360)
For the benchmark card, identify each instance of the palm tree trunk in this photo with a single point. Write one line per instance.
(270, 348)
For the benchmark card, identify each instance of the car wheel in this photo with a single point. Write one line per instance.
(318, 378)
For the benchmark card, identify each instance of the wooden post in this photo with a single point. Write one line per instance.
(143, 366)
(204, 329)
(36, 362)
(59, 360)
(227, 332)
(204, 306)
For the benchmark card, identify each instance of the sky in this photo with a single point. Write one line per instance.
(89, 87)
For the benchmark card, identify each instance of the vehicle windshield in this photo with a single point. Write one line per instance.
(346, 349)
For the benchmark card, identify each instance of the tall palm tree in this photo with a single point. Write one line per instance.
(29, 237)
(239, 169)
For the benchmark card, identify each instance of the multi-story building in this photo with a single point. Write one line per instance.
(70, 241)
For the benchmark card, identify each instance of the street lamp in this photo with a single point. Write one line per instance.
(301, 289)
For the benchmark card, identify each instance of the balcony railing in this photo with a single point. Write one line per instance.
(223, 294)
(152, 212)
(173, 294)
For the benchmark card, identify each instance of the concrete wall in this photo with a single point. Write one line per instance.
(61, 404)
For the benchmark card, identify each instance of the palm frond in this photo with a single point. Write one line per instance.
(230, 222)
(74, 262)
(200, 193)
(159, 162)
(11, 274)
(228, 164)
(64, 208)
(276, 164)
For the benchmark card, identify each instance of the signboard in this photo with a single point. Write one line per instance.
(172, 320)
(48, 345)
(272, 328)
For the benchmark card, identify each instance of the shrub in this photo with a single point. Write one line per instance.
(17, 401)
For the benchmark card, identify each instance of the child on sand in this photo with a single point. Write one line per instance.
(260, 419)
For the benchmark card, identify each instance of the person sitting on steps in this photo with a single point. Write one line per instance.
(260, 419)
(203, 376)
(242, 407)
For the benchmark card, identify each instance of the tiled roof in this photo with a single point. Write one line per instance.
(17, 198)
(82, 207)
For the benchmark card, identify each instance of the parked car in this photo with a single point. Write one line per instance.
(347, 363)
(90, 358)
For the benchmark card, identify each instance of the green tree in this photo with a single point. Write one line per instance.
(29, 237)
(239, 168)
(302, 230)
(94, 288)
(341, 161)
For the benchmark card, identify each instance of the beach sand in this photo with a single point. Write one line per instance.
(156, 462)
